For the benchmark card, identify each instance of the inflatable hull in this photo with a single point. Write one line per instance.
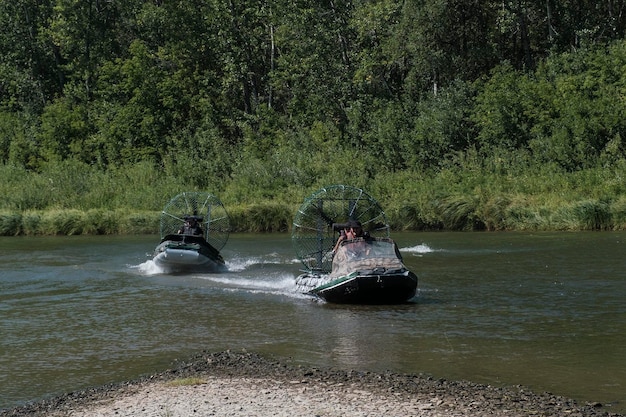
(396, 288)
(186, 253)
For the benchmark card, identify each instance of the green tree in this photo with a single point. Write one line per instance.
(312, 80)
(379, 68)
(439, 41)
(84, 35)
(442, 127)
(63, 130)
(582, 97)
(576, 23)
(29, 72)
(501, 113)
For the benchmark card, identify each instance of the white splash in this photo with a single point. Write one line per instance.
(419, 249)
(283, 282)
(241, 264)
(148, 268)
(238, 264)
(253, 274)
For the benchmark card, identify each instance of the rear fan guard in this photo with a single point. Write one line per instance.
(313, 236)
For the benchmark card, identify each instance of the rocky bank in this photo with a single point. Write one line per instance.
(246, 384)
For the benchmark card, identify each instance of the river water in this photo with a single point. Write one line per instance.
(543, 310)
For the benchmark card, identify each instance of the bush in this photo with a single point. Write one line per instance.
(102, 222)
(520, 215)
(459, 213)
(10, 224)
(618, 213)
(62, 222)
(31, 223)
(269, 217)
(140, 223)
(408, 217)
(593, 215)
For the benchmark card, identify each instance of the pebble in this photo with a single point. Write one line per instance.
(247, 384)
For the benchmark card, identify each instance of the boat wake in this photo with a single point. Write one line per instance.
(258, 274)
(418, 249)
(280, 284)
(148, 268)
(239, 264)
(263, 274)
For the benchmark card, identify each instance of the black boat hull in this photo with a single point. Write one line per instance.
(369, 289)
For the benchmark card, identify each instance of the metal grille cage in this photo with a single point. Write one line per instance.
(313, 235)
(207, 209)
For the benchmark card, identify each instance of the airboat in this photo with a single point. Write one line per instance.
(367, 269)
(194, 228)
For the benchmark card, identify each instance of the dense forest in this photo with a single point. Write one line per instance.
(456, 115)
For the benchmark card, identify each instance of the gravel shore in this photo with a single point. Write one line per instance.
(245, 384)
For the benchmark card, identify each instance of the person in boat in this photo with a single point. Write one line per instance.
(191, 227)
(353, 230)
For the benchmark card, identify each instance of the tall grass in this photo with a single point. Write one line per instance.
(10, 224)
(31, 222)
(140, 222)
(523, 215)
(618, 213)
(62, 222)
(520, 198)
(268, 217)
(409, 217)
(460, 213)
(594, 215)
(102, 222)
(584, 215)
(77, 222)
(75, 198)
(75, 185)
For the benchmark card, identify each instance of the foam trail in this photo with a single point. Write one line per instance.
(421, 248)
(255, 274)
(283, 284)
(149, 268)
(237, 264)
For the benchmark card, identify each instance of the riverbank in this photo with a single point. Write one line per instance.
(244, 384)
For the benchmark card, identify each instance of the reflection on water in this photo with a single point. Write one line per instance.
(542, 310)
(345, 331)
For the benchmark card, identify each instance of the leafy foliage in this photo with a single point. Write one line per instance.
(115, 104)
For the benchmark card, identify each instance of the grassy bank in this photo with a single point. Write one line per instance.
(461, 213)
(71, 198)
(254, 218)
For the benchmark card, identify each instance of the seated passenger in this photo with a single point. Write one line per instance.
(191, 227)
(353, 230)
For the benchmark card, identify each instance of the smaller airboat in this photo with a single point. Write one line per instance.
(194, 228)
(363, 267)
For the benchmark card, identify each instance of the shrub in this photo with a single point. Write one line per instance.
(102, 222)
(618, 213)
(140, 223)
(31, 223)
(593, 215)
(269, 218)
(10, 224)
(62, 222)
(408, 217)
(459, 213)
